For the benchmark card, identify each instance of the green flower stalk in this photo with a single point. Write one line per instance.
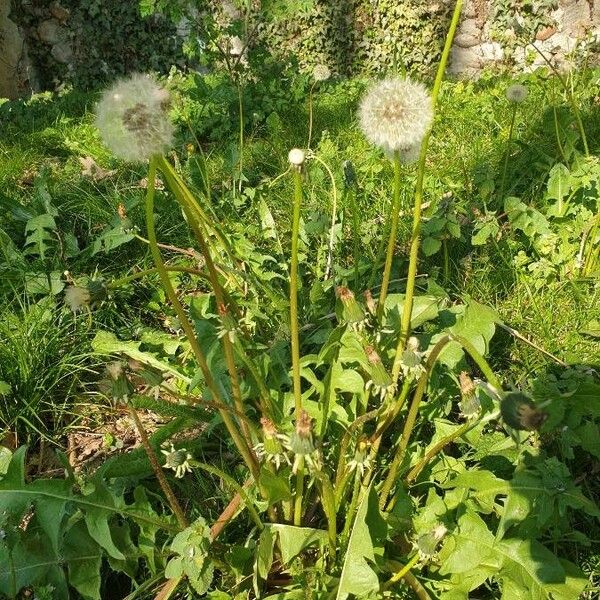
(395, 115)
(416, 227)
(296, 158)
(515, 94)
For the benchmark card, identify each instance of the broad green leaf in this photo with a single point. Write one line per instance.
(293, 540)
(39, 233)
(559, 182)
(467, 546)
(425, 308)
(430, 246)
(275, 486)
(266, 220)
(84, 560)
(107, 343)
(358, 577)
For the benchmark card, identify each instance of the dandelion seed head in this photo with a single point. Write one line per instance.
(296, 157)
(77, 298)
(132, 118)
(395, 114)
(321, 73)
(516, 93)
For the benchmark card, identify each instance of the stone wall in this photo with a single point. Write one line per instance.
(16, 74)
(60, 46)
(479, 43)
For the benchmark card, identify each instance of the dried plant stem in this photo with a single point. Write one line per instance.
(162, 480)
(243, 448)
(391, 238)
(416, 228)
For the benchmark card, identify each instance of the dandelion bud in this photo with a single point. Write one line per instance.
(370, 302)
(469, 404)
(516, 93)
(321, 73)
(352, 311)
(301, 444)
(395, 114)
(380, 381)
(120, 385)
(178, 461)
(520, 412)
(132, 118)
(296, 157)
(411, 360)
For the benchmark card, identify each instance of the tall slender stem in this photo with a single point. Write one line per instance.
(416, 228)
(392, 237)
(162, 480)
(410, 421)
(355, 235)
(310, 114)
(294, 326)
(243, 448)
(401, 572)
(507, 153)
(222, 304)
(416, 470)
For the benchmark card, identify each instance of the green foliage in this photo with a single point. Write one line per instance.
(107, 40)
(60, 536)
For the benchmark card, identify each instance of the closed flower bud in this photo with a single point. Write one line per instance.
(520, 412)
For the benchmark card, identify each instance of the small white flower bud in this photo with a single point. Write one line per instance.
(296, 157)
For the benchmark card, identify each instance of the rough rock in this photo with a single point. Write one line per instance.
(59, 12)
(62, 52)
(11, 51)
(464, 40)
(470, 27)
(576, 18)
(464, 60)
(49, 31)
(491, 51)
(469, 10)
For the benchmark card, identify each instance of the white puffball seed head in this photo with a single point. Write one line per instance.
(395, 114)
(296, 157)
(133, 119)
(516, 93)
(321, 73)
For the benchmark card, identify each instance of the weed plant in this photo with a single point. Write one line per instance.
(365, 446)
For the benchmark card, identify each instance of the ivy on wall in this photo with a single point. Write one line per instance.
(107, 38)
(354, 36)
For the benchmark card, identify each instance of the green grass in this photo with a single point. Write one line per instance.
(45, 356)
